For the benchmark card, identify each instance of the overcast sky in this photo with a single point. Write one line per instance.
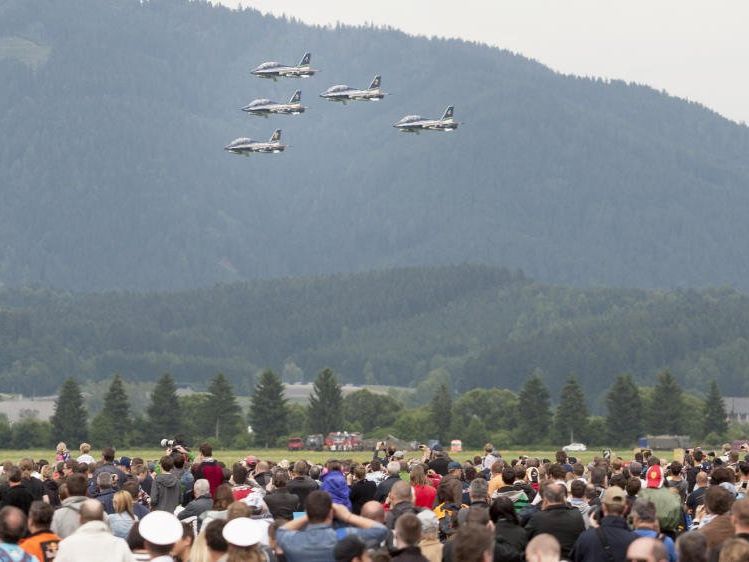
(698, 50)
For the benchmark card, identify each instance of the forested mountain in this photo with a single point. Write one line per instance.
(112, 174)
(484, 326)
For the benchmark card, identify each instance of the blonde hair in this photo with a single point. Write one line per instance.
(84, 448)
(123, 502)
(61, 447)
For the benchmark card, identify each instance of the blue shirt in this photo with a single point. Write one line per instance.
(14, 553)
(668, 542)
(315, 543)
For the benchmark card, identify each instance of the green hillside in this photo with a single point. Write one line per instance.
(485, 326)
(112, 173)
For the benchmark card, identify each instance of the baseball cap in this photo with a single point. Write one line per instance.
(348, 548)
(614, 495)
(160, 528)
(437, 447)
(244, 531)
(654, 476)
(453, 465)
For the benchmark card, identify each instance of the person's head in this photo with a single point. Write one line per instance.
(473, 543)
(740, 515)
(373, 510)
(223, 497)
(261, 467)
(201, 488)
(104, 481)
(497, 467)
(27, 467)
(301, 468)
(400, 492)
(350, 549)
(14, 475)
(77, 484)
(123, 502)
(84, 448)
(691, 547)
(718, 500)
(167, 463)
(134, 539)
(720, 475)
(40, 516)
(394, 468)
(450, 490)
(553, 493)
(577, 489)
(107, 453)
(508, 475)
(237, 510)
(430, 525)
(502, 508)
(418, 476)
(12, 524)
(407, 530)
(280, 478)
(91, 510)
(206, 450)
(614, 501)
(318, 506)
(643, 514)
(543, 548)
(478, 490)
(183, 546)
(647, 549)
(734, 550)
(214, 536)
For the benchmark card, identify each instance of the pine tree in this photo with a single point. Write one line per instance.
(534, 412)
(440, 413)
(70, 420)
(325, 409)
(113, 424)
(224, 413)
(164, 413)
(268, 410)
(666, 407)
(624, 419)
(714, 412)
(571, 417)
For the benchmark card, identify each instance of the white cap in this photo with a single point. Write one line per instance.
(160, 528)
(244, 531)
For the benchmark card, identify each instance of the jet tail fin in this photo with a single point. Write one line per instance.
(376, 82)
(297, 97)
(305, 59)
(276, 136)
(448, 112)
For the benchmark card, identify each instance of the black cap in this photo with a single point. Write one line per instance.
(348, 548)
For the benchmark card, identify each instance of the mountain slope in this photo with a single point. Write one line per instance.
(112, 173)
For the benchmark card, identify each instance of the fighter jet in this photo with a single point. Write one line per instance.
(246, 146)
(265, 107)
(276, 70)
(417, 123)
(345, 93)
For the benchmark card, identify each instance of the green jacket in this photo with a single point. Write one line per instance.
(667, 505)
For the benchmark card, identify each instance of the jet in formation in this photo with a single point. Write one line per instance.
(246, 146)
(417, 123)
(344, 93)
(276, 70)
(265, 107)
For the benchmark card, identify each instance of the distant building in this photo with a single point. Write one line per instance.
(737, 408)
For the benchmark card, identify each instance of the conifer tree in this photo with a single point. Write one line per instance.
(571, 417)
(624, 419)
(534, 412)
(224, 414)
(112, 426)
(164, 413)
(714, 412)
(70, 420)
(666, 407)
(325, 409)
(440, 413)
(268, 414)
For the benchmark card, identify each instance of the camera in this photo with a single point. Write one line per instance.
(174, 444)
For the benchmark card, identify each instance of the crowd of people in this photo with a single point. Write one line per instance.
(406, 507)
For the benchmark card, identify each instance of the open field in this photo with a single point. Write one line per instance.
(229, 456)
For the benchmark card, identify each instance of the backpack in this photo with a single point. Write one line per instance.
(448, 520)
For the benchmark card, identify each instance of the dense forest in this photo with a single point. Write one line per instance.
(474, 326)
(112, 173)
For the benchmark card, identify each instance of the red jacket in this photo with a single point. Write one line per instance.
(424, 496)
(211, 471)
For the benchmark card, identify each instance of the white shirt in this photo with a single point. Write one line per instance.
(93, 542)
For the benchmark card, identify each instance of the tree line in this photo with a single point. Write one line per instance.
(526, 418)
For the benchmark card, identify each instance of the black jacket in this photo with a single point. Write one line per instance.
(361, 492)
(613, 536)
(17, 496)
(282, 504)
(384, 488)
(398, 510)
(561, 521)
(409, 554)
(196, 507)
(510, 541)
(301, 486)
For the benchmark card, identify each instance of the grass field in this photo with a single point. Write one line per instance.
(230, 456)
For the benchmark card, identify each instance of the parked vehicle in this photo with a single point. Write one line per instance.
(314, 442)
(295, 444)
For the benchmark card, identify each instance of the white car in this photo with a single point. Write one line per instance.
(574, 448)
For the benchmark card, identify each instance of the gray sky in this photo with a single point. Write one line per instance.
(697, 50)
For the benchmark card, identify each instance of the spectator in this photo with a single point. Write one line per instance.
(393, 469)
(209, 468)
(137, 545)
(362, 490)
(142, 474)
(334, 483)
(243, 537)
(350, 549)
(12, 528)
(123, 517)
(92, 541)
(401, 502)
(449, 498)
(612, 538)
(677, 481)
(473, 543)
(543, 548)
(133, 488)
(241, 488)
(439, 461)
(182, 551)
(160, 531)
(496, 482)
(214, 539)
(647, 550)
(41, 541)
(51, 486)
(719, 527)
(280, 502)
(222, 499)
(735, 550)
(517, 495)
(430, 544)
(407, 537)
(740, 516)
(667, 503)
(424, 492)
(166, 493)
(107, 465)
(477, 497)
(691, 547)
(645, 524)
(33, 485)
(311, 538)
(262, 474)
(202, 502)
(105, 492)
(697, 497)
(556, 518)
(490, 457)
(67, 519)
(16, 495)
(85, 455)
(301, 484)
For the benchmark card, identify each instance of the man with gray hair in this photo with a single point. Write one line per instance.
(93, 541)
(105, 491)
(430, 545)
(645, 524)
(383, 489)
(478, 495)
(202, 502)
